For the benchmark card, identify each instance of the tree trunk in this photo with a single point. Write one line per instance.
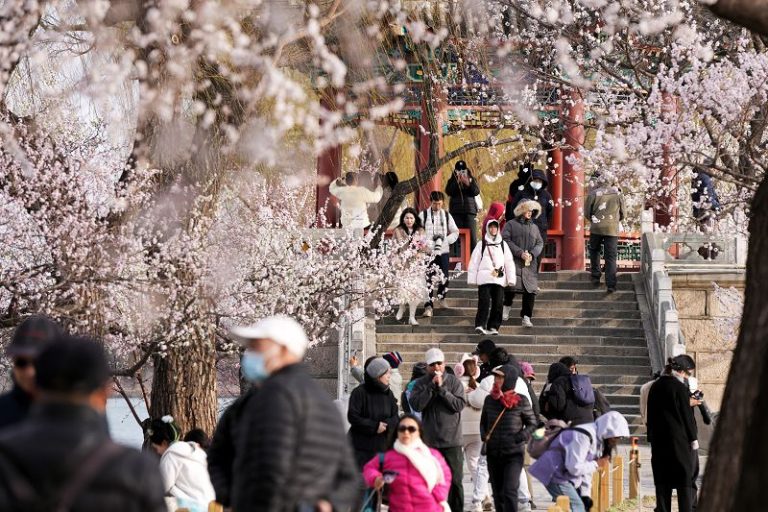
(184, 385)
(752, 14)
(737, 470)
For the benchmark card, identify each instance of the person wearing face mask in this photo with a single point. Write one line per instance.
(372, 412)
(535, 190)
(29, 339)
(673, 435)
(61, 456)
(572, 457)
(292, 451)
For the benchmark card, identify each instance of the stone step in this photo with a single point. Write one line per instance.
(541, 362)
(557, 285)
(524, 351)
(541, 305)
(568, 322)
(551, 312)
(510, 328)
(505, 339)
(563, 275)
(557, 295)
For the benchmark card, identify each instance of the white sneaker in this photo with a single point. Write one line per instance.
(488, 503)
(477, 506)
(527, 321)
(427, 312)
(480, 330)
(505, 313)
(413, 321)
(493, 332)
(400, 312)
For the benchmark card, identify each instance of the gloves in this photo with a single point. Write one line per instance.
(587, 501)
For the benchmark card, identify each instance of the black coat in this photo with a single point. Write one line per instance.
(558, 402)
(221, 453)
(50, 446)
(543, 197)
(292, 450)
(462, 198)
(514, 428)
(671, 430)
(14, 406)
(370, 404)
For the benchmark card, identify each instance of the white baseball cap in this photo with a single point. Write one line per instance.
(435, 355)
(281, 329)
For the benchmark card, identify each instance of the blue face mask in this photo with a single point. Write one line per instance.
(253, 367)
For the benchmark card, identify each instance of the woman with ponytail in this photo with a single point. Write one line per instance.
(184, 466)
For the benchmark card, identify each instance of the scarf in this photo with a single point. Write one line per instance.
(425, 463)
(508, 398)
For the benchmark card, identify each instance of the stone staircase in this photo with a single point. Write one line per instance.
(572, 318)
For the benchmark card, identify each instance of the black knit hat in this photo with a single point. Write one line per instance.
(486, 346)
(32, 336)
(72, 365)
(461, 165)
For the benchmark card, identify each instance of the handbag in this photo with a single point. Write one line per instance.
(484, 446)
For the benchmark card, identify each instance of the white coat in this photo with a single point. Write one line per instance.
(184, 467)
(470, 414)
(354, 202)
(482, 263)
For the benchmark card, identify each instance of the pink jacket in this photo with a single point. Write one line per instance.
(408, 493)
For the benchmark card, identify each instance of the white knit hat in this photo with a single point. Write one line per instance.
(281, 329)
(435, 355)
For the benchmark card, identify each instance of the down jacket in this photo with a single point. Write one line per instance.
(184, 467)
(522, 235)
(463, 200)
(408, 492)
(486, 257)
(558, 401)
(370, 404)
(514, 428)
(542, 196)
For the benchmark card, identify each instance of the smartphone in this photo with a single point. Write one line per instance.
(389, 476)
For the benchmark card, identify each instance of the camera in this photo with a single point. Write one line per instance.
(698, 395)
(438, 240)
(498, 272)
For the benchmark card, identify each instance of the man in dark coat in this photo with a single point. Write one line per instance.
(535, 190)
(372, 412)
(29, 339)
(524, 240)
(61, 457)
(221, 453)
(673, 436)
(462, 188)
(558, 400)
(292, 452)
(706, 204)
(439, 396)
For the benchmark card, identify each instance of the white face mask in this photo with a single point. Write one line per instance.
(536, 185)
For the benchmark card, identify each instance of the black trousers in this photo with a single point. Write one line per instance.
(664, 498)
(454, 457)
(695, 483)
(441, 262)
(490, 299)
(504, 472)
(610, 246)
(466, 221)
(529, 299)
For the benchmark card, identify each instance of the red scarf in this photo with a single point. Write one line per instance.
(509, 398)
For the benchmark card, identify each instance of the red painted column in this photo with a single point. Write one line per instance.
(328, 169)
(555, 172)
(573, 183)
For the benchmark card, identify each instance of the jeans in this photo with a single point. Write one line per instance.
(478, 466)
(529, 299)
(505, 471)
(454, 457)
(439, 290)
(466, 221)
(489, 306)
(569, 490)
(610, 246)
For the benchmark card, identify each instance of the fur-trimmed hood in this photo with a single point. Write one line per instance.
(528, 205)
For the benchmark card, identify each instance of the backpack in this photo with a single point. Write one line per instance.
(601, 405)
(583, 393)
(537, 447)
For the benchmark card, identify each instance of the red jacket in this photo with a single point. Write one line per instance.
(495, 212)
(408, 492)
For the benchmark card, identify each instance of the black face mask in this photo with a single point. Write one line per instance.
(608, 448)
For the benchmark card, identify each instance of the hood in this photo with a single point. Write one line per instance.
(493, 240)
(611, 424)
(540, 175)
(511, 374)
(495, 211)
(188, 451)
(527, 205)
(419, 370)
(557, 370)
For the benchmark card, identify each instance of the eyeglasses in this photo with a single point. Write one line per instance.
(407, 428)
(22, 363)
(436, 363)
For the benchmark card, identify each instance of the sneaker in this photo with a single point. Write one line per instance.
(480, 330)
(400, 313)
(611, 290)
(595, 281)
(527, 322)
(487, 503)
(493, 332)
(505, 313)
(413, 321)
(427, 312)
(477, 506)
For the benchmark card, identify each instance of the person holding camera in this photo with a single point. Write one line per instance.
(354, 200)
(463, 190)
(440, 231)
(524, 239)
(673, 435)
(491, 268)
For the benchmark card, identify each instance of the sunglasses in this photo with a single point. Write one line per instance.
(436, 363)
(407, 428)
(22, 363)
